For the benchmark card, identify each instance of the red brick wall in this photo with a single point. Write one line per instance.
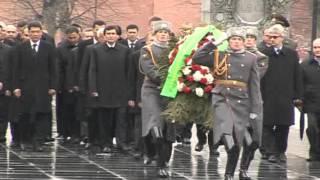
(301, 22)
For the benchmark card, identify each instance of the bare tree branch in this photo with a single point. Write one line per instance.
(88, 10)
(31, 6)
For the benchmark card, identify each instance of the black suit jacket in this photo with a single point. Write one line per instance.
(35, 74)
(138, 44)
(108, 75)
(82, 46)
(4, 67)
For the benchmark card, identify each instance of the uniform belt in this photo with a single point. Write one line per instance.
(231, 83)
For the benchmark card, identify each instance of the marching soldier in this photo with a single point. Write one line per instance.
(153, 124)
(236, 95)
(249, 150)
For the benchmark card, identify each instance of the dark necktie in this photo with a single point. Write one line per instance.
(131, 45)
(34, 50)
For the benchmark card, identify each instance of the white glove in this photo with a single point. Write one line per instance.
(253, 115)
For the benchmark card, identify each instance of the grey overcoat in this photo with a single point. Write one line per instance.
(232, 105)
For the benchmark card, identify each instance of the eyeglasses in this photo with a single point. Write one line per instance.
(273, 37)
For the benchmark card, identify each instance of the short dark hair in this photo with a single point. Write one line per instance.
(72, 29)
(110, 27)
(132, 26)
(22, 24)
(98, 22)
(119, 30)
(36, 24)
(154, 18)
(77, 26)
(280, 19)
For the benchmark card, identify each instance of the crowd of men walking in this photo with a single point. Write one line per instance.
(107, 87)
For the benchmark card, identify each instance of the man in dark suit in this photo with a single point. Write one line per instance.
(132, 38)
(35, 82)
(134, 45)
(69, 125)
(4, 89)
(281, 89)
(108, 84)
(82, 63)
(311, 99)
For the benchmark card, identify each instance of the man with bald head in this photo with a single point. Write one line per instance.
(281, 89)
(311, 99)
(11, 35)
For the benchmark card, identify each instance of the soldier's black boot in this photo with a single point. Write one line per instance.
(233, 156)
(162, 158)
(161, 152)
(247, 156)
(243, 175)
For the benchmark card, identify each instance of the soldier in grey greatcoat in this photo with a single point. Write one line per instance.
(236, 95)
(263, 62)
(153, 125)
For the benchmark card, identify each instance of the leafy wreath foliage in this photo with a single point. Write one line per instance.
(185, 108)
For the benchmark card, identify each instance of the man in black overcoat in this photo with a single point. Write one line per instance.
(82, 65)
(311, 99)
(35, 83)
(4, 89)
(281, 89)
(109, 85)
(67, 94)
(134, 45)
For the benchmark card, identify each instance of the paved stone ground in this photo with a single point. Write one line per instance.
(61, 162)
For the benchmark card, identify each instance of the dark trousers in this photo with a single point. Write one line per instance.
(313, 134)
(37, 123)
(156, 144)
(59, 114)
(138, 144)
(202, 137)
(93, 125)
(275, 139)
(70, 123)
(106, 119)
(83, 114)
(3, 117)
(131, 125)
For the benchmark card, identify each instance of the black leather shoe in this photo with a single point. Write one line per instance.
(38, 148)
(282, 157)
(273, 159)
(243, 175)
(124, 148)
(163, 173)
(264, 156)
(147, 160)
(214, 152)
(106, 149)
(49, 139)
(228, 177)
(87, 145)
(199, 147)
(2, 140)
(186, 141)
(22, 147)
